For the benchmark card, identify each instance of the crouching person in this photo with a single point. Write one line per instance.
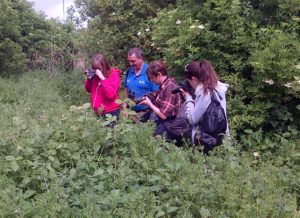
(163, 103)
(209, 96)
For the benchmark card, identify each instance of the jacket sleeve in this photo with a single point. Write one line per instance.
(196, 109)
(88, 85)
(111, 85)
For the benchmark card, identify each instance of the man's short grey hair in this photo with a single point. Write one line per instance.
(137, 52)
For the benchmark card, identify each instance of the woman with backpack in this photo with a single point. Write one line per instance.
(208, 89)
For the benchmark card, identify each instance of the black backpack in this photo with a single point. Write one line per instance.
(213, 126)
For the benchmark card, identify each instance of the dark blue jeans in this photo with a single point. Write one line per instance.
(113, 113)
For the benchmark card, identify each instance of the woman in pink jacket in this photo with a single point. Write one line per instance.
(103, 82)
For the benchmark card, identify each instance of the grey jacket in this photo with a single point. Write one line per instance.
(196, 108)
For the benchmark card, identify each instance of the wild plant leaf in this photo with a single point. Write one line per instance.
(105, 123)
(26, 181)
(155, 188)
(86, 133)
(249, 131)
(51, 152)
(154, 178)
(160, 214)
(98, 172)
(14, 165)
(171, 209)
(204, 212)
(51, 158)
(86, 106)
(9, 158)
(19, 158)
(29, 193)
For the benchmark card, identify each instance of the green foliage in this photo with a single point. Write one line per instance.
(116, 26)
(277, 77)
(55, 154)
(28, 40)
(65, 160)
(12, 58)
(254, 47)
(71, 88)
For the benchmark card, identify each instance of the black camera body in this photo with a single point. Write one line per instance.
(91, 73)
(131, 95)
(135, 99)
(182, 85)
(139, 100)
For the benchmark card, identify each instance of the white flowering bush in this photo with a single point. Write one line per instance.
(275, 76)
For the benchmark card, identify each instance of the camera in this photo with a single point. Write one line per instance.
(131, 95)
(139, 100)
(135, 99)
(182, 85)
(91, 73)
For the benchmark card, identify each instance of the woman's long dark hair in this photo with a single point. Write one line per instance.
(204, 72)
(100, 62)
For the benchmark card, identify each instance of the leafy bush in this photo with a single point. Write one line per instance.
(254, 47)
(114, 27)
(27, 39)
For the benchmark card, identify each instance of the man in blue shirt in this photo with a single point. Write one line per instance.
(136, 79)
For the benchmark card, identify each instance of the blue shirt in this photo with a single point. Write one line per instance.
(139, 85)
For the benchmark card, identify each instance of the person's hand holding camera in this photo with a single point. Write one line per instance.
(154, 109)
(89, 73)
(100, 74)
(184, 93)
(146, 101)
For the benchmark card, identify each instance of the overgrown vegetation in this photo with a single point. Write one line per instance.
(56, 155)
(58, 160)
(29, 41)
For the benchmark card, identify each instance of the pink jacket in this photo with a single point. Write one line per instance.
(104, 93)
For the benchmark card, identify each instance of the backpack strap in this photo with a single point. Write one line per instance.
(213, 95)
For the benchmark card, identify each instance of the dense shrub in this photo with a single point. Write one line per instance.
(255, 49)
(27, 39)
(116, 26)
